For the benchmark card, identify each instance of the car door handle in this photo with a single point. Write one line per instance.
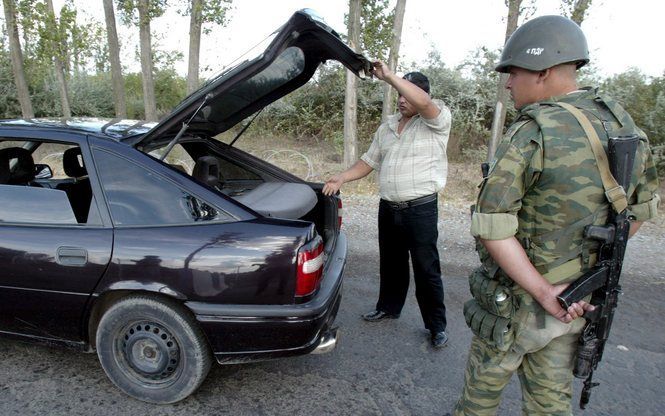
(72, 256)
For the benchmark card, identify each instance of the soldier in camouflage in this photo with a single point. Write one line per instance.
(542, 189)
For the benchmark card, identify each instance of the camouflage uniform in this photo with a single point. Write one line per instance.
(543, 188)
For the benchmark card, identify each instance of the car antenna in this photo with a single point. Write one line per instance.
(185, 126)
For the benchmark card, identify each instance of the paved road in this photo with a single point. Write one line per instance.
(386, 368)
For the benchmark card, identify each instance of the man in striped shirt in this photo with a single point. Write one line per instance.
(409, 153)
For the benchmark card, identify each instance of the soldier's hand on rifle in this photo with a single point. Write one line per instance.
(574, 311)
(578, 309)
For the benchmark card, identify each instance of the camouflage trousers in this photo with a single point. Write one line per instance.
(542, 354)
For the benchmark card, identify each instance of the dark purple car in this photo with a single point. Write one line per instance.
(162, 248)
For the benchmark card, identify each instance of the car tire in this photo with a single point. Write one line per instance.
(152, 349)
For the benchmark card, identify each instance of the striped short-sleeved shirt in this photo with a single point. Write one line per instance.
(414, 163)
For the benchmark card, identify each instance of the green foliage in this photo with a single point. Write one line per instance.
(9, 106)
(588, 75)
(469, 91)
(170, 89)
(212, 11)
(644, 100)
(43, 36)
(90, 96)
(376, 25)
(134, 95)
(315, 110)
(128, 10)
(575, 9)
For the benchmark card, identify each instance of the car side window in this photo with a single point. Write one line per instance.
(138, 196)
(233, 172)
(25, 204)
(177, 158)
(54, 175)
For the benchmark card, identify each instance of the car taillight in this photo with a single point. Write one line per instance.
(310, 267)
(339, 213)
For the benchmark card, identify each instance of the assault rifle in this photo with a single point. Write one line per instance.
(602, 281)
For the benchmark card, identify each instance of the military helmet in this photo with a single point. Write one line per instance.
(544, 42)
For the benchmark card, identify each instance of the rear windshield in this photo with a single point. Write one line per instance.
(288, 65)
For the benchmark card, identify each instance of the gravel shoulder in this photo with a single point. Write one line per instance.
(386, 368)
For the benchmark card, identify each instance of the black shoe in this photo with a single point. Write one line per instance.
(377, 315)
(439, 339)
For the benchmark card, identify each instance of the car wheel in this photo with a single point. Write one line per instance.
(152, 349)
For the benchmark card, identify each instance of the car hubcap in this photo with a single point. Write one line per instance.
(150, 350)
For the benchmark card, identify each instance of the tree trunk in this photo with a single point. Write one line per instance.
(17, 60)
(114, 56)
(579, 11)
(146, 62)
(388, 91)
(59, 67)
(501, 93)
(351, 96)
(194, 46)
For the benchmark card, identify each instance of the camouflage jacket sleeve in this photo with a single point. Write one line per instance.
(516, 166)
(644, 201)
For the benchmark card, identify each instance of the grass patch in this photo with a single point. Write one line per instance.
(316, 160)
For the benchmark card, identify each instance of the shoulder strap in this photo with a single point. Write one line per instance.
(613, 191)
(516, 126)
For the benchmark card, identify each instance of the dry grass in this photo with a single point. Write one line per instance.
(316, 160)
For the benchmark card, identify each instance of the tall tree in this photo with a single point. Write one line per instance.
(17, 59)
(195, 24)
(201, 12)
(147, 10)
(58, 49)
(351, 96)
(376, 26)
(149, 101)
(501, 93)
(114, 56)
(576, 9)
(388, 91)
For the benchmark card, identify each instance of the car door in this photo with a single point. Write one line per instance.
(179, 238)
(50, 259)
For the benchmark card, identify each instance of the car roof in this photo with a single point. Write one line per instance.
(116, 129)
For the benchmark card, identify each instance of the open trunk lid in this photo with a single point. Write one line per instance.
(295, 52)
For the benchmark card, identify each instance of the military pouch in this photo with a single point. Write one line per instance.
(496, 330)
(491, 294)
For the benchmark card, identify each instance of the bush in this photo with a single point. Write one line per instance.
(317, 109)
(644, 99)
(91, 95)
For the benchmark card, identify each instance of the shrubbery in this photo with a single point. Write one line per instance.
(317, 109)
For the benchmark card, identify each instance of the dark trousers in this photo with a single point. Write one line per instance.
(411, 231)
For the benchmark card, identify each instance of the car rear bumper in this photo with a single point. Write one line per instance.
(239, 333)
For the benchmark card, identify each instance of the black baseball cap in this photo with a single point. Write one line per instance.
(419, 79)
